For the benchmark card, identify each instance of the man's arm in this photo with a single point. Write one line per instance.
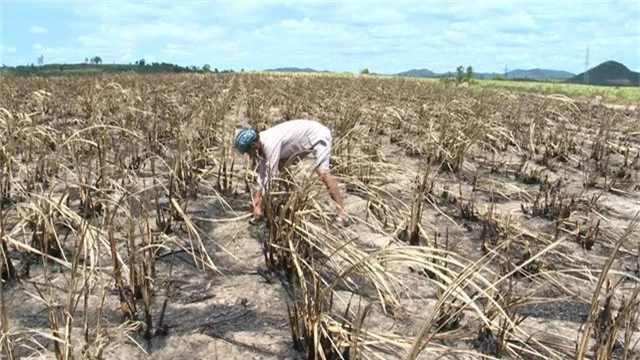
(267, 168)
(261, 183)
(257, 204)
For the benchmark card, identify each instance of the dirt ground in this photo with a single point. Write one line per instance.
(239, 310)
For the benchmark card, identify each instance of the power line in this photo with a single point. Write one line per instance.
(586, 67)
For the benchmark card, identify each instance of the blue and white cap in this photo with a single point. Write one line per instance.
(244, 138)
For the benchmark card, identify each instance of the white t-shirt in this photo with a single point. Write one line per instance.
(290, 138)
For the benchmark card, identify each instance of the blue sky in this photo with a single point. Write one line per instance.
(383, 36)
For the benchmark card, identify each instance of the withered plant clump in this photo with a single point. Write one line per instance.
(88, 165)
(552, 203)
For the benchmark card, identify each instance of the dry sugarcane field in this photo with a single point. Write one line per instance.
(486, 225)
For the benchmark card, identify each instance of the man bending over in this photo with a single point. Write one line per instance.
(291, 139)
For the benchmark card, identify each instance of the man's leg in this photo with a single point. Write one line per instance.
(334, 191)
(322, 152)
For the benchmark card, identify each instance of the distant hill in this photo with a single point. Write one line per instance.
(417, 73)
(609, 73)
(532, 74)
(430, 74)
(539, 74)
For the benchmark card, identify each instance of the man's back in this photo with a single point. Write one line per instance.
(287, 139)
(292, 137)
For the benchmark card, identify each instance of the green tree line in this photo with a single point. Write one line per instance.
(95, 66)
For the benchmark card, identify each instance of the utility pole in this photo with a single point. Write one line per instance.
(586, 67)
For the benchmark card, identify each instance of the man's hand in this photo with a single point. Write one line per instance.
(257, 216)
(257, 213)
(257, 208)
(257, 205)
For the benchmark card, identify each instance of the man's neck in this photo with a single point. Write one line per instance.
(260, 151)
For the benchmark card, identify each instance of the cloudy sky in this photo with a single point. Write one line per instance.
(383, 36)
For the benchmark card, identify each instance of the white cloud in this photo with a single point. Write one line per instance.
(54, 54)
(189, 32)
(518, 22)
(47, 50)
(7, 49)
(394, 31)
(99, 45)
(124, 30)
(381, 35)
(38, 30)
(370, 14)
(228, 47)
(177, 50)
(486, 35)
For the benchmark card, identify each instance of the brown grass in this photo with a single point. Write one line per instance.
(487, 224)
